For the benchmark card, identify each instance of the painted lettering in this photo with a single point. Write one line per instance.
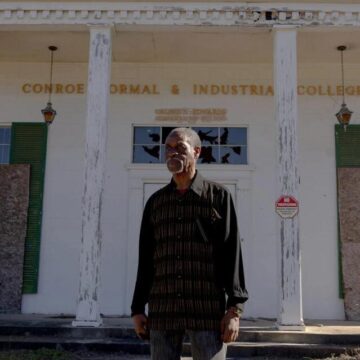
(243, 89)
(203, 89)
(253, 90)
(329, 91)
(350, 90)
(321, 92)
(146, 90)
(47, 88)
(79, 88)
(301, 90)
(26, 88)
(197, 89)
(269, 91)
(37, 88)
(311, 90)
(134, 89)
(214, 89)
(113, 89)
(234, 90)
(154, 90)
(59, 88)
(122, 89)
(225, 89)
(69, 88)
(339, 90)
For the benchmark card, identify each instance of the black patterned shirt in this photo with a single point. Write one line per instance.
(189, 258)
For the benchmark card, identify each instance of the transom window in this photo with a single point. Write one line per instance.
(5, 139)
(220, 145)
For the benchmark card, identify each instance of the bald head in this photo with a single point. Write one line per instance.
(190, 135)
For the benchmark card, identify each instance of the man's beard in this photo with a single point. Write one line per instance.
(175, 165)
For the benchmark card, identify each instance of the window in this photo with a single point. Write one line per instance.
(5, 139)
(220, 145)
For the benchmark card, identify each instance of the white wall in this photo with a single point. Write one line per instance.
(61, 231)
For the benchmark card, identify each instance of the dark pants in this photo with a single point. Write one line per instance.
(205, 345)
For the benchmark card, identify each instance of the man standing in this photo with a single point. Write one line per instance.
(189, 258)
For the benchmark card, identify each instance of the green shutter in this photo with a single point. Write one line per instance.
(347, 146)
(28, 146)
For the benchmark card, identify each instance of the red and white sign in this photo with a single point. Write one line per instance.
(287, 206)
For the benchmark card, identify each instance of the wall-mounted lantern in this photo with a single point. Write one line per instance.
(48, 112)
(344, 114)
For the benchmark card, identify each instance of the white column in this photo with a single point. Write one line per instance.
(88, 313)
(286, 112)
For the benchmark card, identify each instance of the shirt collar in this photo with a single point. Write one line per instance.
(197, 184)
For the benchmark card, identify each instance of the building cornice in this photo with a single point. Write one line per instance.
(190, 14)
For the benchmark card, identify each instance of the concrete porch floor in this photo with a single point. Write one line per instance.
(258, 337)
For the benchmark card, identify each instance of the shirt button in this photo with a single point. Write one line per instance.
(178, 236)
(179, 277)
(179, 295)
(178, 257)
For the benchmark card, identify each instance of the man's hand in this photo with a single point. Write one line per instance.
(230, 327)
(140, 326)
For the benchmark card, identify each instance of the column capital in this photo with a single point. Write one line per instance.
(104, 26)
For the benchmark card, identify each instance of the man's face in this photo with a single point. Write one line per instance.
(180, 155)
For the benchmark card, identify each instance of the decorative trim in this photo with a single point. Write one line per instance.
(194, 14)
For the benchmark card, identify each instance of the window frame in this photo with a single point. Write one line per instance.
(165, 125)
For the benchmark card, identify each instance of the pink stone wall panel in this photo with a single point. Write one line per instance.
(14, 200)
(349, 213)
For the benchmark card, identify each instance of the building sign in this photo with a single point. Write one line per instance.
(191, 115)
(212, 89)
(287, 206)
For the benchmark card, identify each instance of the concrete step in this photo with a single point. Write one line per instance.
(294, 337)
(135, 346)
(66, 331)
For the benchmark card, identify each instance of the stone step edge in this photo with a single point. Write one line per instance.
(69, 332)
(140, 347)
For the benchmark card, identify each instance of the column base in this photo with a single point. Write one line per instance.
(295, 327)
(87, 323)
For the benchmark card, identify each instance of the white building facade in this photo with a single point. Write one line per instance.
(267, 71)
